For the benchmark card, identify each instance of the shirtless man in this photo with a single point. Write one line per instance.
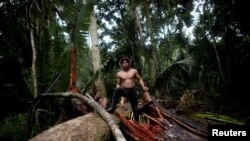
(126, 86)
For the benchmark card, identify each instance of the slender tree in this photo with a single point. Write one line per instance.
(96, 56)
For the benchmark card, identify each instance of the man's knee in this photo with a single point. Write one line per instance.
(118, 90)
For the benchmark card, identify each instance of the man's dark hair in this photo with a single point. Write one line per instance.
(125, 58)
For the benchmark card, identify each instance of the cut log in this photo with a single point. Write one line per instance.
(105, 116)
(90, 127)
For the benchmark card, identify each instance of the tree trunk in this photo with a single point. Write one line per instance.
(90, 127)
(155, 66)
(71, 136)
(33, 67)
(139, 30)
(72, 79)
(96, 56)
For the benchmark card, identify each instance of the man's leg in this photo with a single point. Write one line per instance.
(134, 103)
(116, 96)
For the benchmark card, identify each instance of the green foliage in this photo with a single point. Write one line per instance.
(219, 118)
(76, 15)
(216, 62)
(66, 31)
(175, 78)
(12, 128)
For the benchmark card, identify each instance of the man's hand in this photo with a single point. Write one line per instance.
(145, 88)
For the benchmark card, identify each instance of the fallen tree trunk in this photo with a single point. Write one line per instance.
(90, 127)
(90, 101)
(156, 124)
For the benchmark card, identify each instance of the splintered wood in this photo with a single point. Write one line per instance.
(159, 125)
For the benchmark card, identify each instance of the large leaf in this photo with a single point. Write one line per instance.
(82, 22)
(220, 118)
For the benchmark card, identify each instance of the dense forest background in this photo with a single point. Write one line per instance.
(195, 52)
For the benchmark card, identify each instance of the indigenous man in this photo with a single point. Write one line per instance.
(126, 86)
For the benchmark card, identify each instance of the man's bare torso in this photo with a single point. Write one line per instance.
(126, 78)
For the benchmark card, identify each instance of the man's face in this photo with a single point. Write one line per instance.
(125, 64)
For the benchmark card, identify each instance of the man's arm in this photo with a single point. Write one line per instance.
(118, 81)
(140, 81)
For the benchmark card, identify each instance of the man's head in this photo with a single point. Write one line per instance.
(125, 62)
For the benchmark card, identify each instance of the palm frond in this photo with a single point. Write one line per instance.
(219, 118)
(82, 21)
(174, 77)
